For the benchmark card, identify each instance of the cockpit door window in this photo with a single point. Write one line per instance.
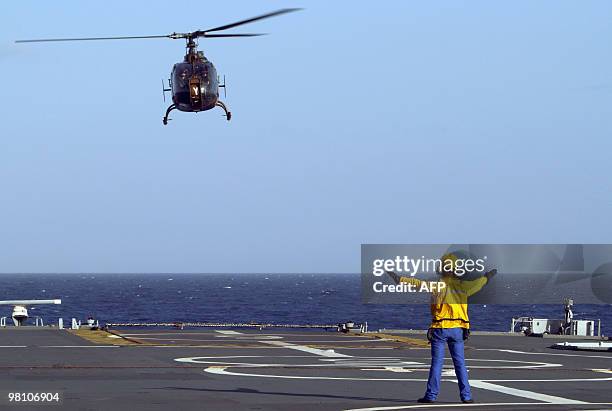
(194, 90)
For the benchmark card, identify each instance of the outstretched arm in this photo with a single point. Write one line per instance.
(397, 279)
(473, 286)
(491, 274)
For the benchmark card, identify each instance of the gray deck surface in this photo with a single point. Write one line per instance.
(290, 370)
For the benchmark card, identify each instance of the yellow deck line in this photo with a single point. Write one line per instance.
(413, 342)
(101, 337)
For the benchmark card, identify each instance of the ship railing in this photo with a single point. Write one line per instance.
(180, 324)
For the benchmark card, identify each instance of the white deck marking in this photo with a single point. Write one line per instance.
(556, 380)
(79, 346)
(168, 333)
(545, 353)
(390, 369)
(367, 362)
(316, 351)
(523, 393)
(58, 346)
(247, 338)
(254, 335)
(482, 404)
(221, 370)
(185, 339)
(326, 362)
(228, 332)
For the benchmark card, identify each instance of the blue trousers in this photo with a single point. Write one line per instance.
(454, 338)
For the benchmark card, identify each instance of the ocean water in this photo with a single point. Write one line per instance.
(262, 298)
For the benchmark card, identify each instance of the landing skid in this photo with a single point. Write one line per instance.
(228, 114)
(165, 119)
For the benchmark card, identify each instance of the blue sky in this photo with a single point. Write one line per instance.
(360, 122)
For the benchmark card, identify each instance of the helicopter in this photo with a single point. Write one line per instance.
(193, 83)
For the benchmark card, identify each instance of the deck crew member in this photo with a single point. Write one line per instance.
(450, 324)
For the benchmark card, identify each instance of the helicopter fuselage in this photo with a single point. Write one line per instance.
(195, 86)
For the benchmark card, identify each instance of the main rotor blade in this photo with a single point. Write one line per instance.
(92, 38)
(199, 33)
(251, 20)
(206, 35)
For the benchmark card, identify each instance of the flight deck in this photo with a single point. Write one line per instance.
(269, 369)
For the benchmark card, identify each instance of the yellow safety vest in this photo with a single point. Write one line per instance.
(449, 307)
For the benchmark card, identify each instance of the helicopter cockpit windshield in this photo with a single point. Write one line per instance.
(195, 86)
